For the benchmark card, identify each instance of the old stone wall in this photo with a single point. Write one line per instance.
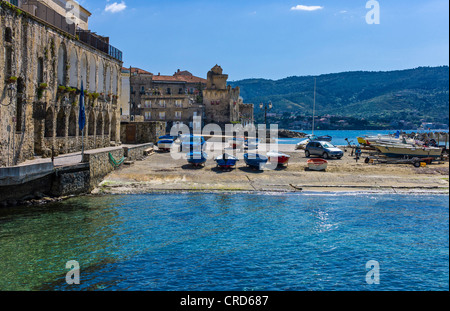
(41, 71)
(100, 163)
(133, 153)
(141, 132)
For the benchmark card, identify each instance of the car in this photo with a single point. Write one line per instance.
(323, 149)
(191, 143)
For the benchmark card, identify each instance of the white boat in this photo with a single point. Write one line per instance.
(317, 164)
(302, 144)
(404, 150)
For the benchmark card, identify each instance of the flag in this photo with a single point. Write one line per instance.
(82, 116)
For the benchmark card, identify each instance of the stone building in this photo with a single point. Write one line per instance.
(222, 104)
(43, 60)
(175, 99)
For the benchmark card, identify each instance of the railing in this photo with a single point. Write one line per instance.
(88, 37)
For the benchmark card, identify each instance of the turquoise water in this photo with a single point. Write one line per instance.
(235, 241)
(339, 136)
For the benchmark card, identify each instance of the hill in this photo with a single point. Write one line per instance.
(413, 95)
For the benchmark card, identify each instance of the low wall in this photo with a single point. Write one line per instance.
(69, 180)
(20, 174)
(100, 164)
(133, 153)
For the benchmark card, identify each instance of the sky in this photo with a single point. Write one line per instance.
(274, 39)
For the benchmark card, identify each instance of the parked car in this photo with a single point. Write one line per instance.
(323, 149)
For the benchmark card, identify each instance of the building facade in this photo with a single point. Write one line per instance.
(43, 63)
(175, 99)
(223, 104)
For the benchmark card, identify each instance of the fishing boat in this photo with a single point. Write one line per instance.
(197, 158)
(302, 144)
(165, 142)
(327, 138)
(192, 143)
(405, 150)
(255, 160)
(236, 142)
(317, 164)
(278, 157)
(252, 143)
(226, 161)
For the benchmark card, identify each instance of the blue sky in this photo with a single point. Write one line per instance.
(268, 39)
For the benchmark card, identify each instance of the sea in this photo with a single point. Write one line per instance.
(228, 242)
(339, 136)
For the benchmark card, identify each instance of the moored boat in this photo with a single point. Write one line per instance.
(236, 143)
(278, 157)
(226, 161)
(317, 164)
(404, 150)
(255, 160)
(197, 158)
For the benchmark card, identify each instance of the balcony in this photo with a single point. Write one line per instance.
(99, 43)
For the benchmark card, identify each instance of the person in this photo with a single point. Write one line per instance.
(358, 153)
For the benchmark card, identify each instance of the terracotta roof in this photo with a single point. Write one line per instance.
(136, 70)
(179, 78)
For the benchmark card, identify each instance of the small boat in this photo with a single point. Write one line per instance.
(405, 150)
(165, 142)
(278, 157)
(236, 142)
(252, 143)
(255, 160)
(327, 138)
(197, 158)
(192, 143)
(317, 164)
(302, 144)
(226, 161)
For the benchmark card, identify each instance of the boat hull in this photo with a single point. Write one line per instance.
(255, 160)
(165, 144)
(317, 164)
(197, 158)
(419, 152)
(279, 158)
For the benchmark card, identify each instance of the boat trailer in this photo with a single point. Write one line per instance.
(382, 159)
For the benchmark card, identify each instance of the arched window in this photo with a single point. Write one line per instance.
(73, 71)
(62, 69)
(8, 35)
(72, 123)
(106, 125)
(113, 127)
(91, 124)
(61, 123)
(99, 130)
(49, 123)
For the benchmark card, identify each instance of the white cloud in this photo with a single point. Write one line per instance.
(115, 7)
(306, 8)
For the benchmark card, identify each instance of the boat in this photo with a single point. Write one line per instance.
(278, 157)
(252, 143)
(327, 138)
(236, 142)
(226, 161)
(197, 158)
(192, 143)
(405, 150)
(302, 144)
(317, 164)
(255, 160)
(165, 142)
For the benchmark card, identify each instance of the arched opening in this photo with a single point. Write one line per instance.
(114, 81)
(49, 123)
(8, 35)
(19, 104)
(99, 130)
(101, 78)
(62, 68)
(83, 70)
(108, 81)
(106, 125)
(92, 74)
(73, 71)
(72, 123)
(113, 127)
(61, 123)
(91, 124)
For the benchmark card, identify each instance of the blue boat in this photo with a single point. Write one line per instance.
(226, 161)
(327, 138)
(197, 158)
(192, 143)
(252, 143)
(255, 160)
(165, 142)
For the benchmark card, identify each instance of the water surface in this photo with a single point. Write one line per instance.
(235, 241)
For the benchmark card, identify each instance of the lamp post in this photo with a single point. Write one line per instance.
(265, 106)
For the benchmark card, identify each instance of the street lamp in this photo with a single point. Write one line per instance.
(266, 107)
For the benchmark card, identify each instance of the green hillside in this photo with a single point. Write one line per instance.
(414, 94)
